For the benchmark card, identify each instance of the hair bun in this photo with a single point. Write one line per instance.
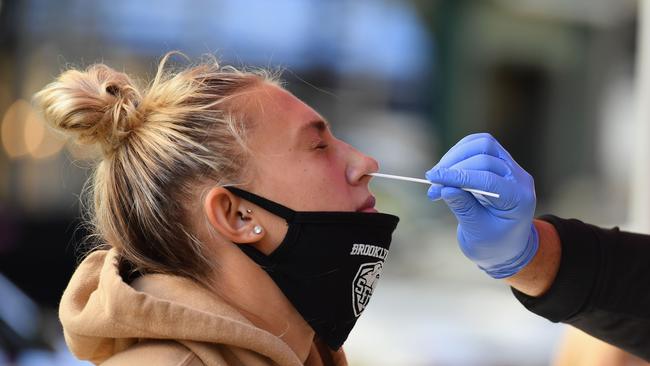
(97, 106)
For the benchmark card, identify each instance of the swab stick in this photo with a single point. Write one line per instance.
(424, 181)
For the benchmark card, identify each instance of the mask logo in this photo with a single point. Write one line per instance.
(364, 284)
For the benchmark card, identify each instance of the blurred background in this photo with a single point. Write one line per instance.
(553, 80)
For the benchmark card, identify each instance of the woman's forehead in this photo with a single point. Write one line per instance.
(274, 107)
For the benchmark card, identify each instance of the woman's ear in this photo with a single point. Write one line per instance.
(232, 217)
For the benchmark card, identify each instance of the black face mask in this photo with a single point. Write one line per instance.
(327, 265)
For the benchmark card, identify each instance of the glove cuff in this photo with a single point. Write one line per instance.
(515, 265)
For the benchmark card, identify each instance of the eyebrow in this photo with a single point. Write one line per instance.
(318, 124)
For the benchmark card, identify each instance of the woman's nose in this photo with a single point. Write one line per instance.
(360, 165)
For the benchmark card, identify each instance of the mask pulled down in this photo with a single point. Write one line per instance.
(327, 265)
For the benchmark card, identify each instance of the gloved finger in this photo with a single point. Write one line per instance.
(473, 136)
(434, 192)
(463, 204)
(484, 162)
(478, 179)
(482, 144)
(496, 146)
(485, 135)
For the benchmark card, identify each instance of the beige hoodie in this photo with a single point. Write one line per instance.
(164, 320)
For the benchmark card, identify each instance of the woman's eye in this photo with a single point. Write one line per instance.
(320, 145)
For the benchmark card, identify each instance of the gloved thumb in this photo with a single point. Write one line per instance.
(456, 178)
(435, 192)
(477, 179)
(463, 204)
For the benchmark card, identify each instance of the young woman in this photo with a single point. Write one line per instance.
(235, 229)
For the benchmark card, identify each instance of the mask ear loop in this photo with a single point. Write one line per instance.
(268, 262)
(273, 207)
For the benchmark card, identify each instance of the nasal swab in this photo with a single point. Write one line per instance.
(418, 180)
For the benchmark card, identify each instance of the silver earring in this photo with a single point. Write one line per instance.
(249, 211)
(257, 229)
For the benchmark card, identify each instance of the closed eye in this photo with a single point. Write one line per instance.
(319, 144)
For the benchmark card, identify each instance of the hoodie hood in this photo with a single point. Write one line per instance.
(102, 315)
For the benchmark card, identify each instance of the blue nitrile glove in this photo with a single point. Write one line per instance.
(495, 233)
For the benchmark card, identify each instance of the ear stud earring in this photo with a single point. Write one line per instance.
(257, 229)
(249, 211)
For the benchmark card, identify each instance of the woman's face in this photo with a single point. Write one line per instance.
(298, 162)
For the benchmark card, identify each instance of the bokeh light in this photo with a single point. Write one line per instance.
(24, 133)
(13, 128)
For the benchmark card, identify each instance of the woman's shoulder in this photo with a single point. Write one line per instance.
(155, 352)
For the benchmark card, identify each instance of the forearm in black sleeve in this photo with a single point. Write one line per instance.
(602, 285)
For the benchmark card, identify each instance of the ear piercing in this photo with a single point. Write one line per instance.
(257, 229)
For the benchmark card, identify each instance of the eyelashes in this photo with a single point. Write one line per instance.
(319, 144)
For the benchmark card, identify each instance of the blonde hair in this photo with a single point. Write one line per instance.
(156, 144)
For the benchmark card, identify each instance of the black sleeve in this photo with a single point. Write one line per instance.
(602, 285)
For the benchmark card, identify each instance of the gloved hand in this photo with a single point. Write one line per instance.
(495, 233)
